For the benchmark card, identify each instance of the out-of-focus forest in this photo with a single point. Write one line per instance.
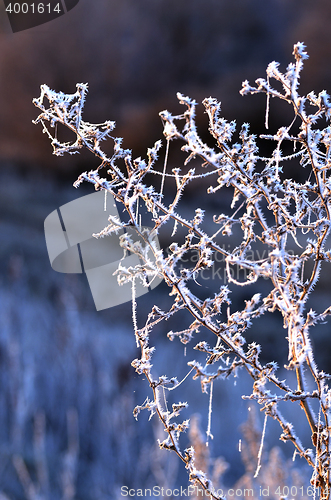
(67, 389)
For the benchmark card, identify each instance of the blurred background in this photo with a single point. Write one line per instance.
(67, 388)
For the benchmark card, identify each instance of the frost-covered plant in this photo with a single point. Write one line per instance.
(290, 218)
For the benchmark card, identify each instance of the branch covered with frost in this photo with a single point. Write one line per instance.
(290, 219)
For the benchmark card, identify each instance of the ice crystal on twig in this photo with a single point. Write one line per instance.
(291, 219)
